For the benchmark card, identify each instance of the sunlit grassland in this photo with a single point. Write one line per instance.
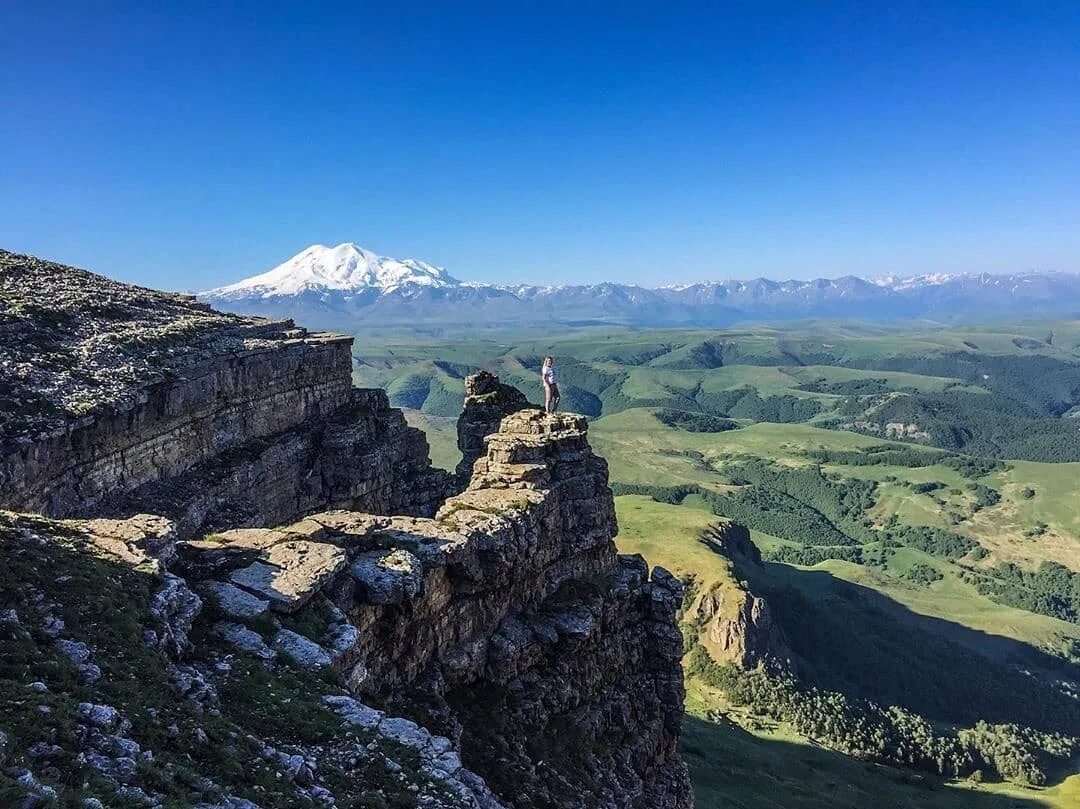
(668, 535)
(747, 761)
(642, 450)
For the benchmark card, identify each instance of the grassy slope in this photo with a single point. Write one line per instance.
(770, 765)
(49, 568)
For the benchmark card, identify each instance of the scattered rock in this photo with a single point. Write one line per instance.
(354, 712)
(105, 717)
(174, 607)
(52, 626)
(134, 795)
(405, 732)
(74, 650)
(234, 602)
(43, 750)
(79, 654)
(36, 793)
(89, 673)
(341, 640)
(193, 685)
(244, 639)
(304, 652)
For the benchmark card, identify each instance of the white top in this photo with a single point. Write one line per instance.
(548, 374)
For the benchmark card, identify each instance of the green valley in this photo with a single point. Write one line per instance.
(912, 495)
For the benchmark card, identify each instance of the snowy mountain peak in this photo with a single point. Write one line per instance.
(903, 282)
(345, 268)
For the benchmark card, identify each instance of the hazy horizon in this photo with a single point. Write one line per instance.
(465, 279)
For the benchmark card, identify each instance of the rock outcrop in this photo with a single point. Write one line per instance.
(487, 401)
(738, 625)
(507, 622)
(260, 516)
(224, 421)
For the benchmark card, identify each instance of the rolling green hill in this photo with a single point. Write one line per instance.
(913, 497)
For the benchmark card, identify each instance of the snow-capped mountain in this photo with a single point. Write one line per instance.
(349, 288)
(345, 268)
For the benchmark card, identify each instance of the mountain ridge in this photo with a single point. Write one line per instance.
(349, 286)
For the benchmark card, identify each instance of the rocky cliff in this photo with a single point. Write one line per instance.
(487, 401)
(254, 556)
(736, 625)
(119, 399)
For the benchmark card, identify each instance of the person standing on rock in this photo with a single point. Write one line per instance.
(551, 385)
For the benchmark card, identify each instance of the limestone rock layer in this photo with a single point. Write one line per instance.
(124, 400)
(487, 401)
(298, 521)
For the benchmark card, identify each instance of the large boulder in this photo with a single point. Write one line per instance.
(293, 572)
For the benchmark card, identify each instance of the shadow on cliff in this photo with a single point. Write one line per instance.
(852, 638)
(734, 769)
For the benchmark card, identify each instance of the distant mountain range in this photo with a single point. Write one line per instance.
(348, 287)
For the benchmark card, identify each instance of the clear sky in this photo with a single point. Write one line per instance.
(185, 147)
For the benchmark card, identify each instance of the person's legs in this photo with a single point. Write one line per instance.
(554, 398)
(548, 396)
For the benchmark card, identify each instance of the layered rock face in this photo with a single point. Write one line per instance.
(507, 623)
(739, 627)
(496, 635)
(362, 455)
(223, 420)
(487, 401)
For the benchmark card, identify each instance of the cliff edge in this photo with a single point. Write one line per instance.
(233, 580)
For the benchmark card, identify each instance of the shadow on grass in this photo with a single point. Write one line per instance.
(851, 638)
(734, 769)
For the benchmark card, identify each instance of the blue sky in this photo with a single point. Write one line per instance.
(550, 141)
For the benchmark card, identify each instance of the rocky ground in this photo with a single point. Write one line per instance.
(121, 687)
(72, 341)
(306, 616)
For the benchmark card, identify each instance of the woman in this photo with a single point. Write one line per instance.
(551, 385)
